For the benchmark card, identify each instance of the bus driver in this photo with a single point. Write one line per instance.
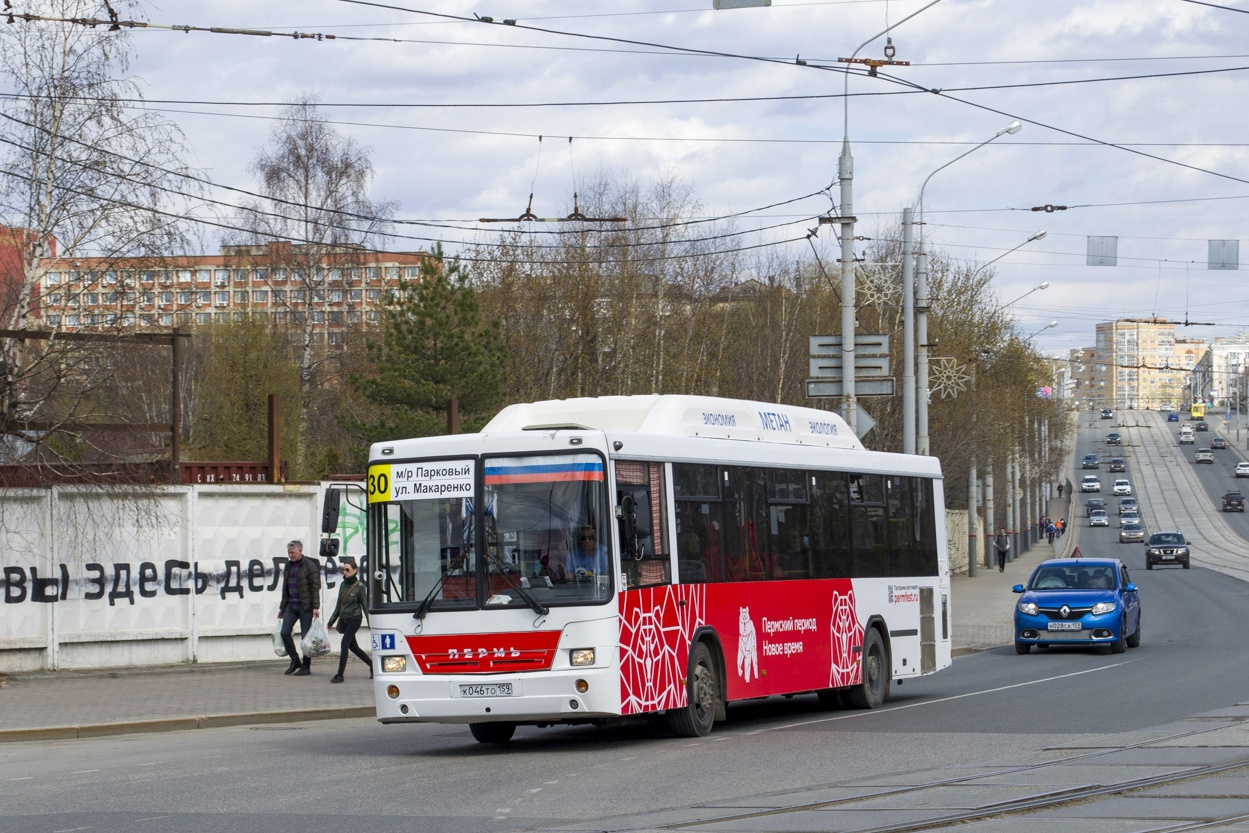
(590, 557)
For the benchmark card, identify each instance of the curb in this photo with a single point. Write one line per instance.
(179, 724)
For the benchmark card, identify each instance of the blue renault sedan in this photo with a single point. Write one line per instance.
(1078, 602)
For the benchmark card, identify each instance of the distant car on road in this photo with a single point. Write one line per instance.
(1202, 426)
(1122, 487)
(1093, 503)
(1129, 517)
(1166, 548)
(1113, 438)
(1173, 417)
(1234, 501)
(1128, 504)
(1078, 601)
(1090, 461)
(1131, 532)
(1090, 483)
(1242, 469)
(1118, 464)
(1107, 413)
(1099, 517)
(1218, 442)
(1203, 455)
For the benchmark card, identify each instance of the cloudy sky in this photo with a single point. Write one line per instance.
(1133, 110)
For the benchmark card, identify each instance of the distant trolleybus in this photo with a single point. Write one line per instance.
(595, 560)
(1198, 410)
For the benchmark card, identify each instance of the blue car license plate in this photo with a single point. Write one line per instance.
(1064, 626)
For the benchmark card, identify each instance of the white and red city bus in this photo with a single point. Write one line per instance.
(593, 560)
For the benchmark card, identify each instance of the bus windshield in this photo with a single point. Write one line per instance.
(533, 532)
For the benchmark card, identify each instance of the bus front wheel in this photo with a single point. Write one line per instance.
(699, 714)
(492, 732)
(872, 691)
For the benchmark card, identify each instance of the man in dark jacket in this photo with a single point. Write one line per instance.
(301, 600)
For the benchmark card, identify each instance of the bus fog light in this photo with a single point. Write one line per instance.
(582, 686)
(394, 665)
(581, 656)
(392, 691)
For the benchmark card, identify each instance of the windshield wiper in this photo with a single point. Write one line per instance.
(427, 602)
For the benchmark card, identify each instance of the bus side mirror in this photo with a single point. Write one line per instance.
(627, 516)
(329, 511)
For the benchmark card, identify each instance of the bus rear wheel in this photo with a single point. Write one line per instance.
(872, 691)
(492, 732)
(699, 714)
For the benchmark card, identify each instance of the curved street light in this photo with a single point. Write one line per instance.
(845, 177)
(1043, 285)
(1048, 326)
(918, 401)
(1040, 235)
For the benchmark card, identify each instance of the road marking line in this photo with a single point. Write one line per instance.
(868, 712)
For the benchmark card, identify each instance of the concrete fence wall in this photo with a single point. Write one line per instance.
(104, 577)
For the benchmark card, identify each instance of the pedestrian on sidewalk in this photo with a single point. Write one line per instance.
(1051, 531)
(1060, 490)
(349, 614)
(1062, 526)
(301, 602)
(1001, 543)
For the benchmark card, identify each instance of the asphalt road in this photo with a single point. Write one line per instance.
(360, 776)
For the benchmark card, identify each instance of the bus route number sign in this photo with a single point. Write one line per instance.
(434, 480)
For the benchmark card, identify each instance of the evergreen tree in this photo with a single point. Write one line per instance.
(434, 348)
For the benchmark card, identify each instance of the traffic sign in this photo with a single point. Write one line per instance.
(871, 386)
(863, 420)
(830, 367)
(865, 344)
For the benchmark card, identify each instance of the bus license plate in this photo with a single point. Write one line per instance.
(1064, 626)
(487, 690)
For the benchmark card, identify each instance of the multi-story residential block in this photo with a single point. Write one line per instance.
(1221, 375)
(1139, 363)
(331, 288)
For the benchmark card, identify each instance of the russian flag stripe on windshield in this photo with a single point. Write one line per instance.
(544, 470)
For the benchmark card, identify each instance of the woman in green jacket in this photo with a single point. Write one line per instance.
(350, 610)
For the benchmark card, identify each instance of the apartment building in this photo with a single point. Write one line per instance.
(1139, 363)
(336, 289)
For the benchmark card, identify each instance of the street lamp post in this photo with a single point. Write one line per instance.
(1048, 326)
(1040, 235)
(921, 291)
(845, 177)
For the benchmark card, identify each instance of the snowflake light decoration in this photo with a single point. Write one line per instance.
(876, 288)
(947, 377)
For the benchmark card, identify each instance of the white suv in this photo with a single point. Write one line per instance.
(1090, 483)
(1122, 487)
(1204, 455)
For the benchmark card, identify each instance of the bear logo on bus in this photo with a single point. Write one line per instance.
(747, 650)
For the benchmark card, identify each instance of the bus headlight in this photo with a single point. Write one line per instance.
(394, 665)
(581, 656)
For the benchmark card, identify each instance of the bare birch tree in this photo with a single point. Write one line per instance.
(88, 176)
(317, 210)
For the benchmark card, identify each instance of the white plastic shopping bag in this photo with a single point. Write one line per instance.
(316, 642)
(279, 647)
